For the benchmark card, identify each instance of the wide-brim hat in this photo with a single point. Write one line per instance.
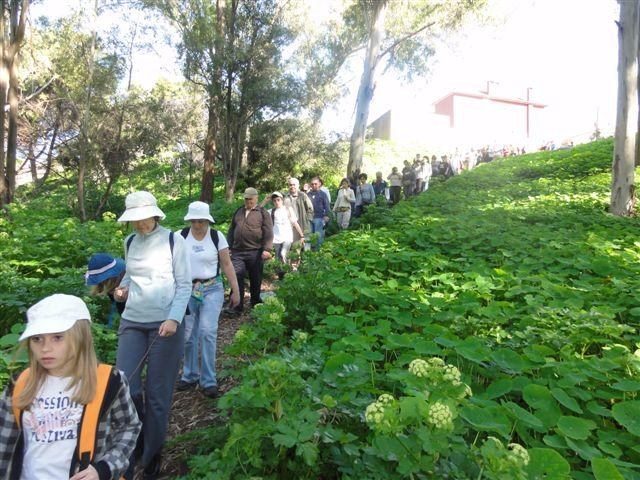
(198, 211)
(103, 266)
(139, 206)
(54, 314)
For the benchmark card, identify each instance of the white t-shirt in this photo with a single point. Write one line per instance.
(203, 255)
(50, 431)
(282, 226)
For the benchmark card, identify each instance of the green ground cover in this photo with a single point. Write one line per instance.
(486, 329)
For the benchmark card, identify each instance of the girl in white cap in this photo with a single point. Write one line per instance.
(156, 288)
(40, 414)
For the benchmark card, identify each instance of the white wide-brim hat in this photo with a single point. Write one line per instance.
(54, 314)
(139, 206)
(198, 211)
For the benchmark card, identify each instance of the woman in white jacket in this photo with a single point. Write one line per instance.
(342, 207)
(157, 288)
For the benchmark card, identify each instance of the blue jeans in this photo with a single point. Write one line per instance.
(317, 226)
(201, 334)
(153, 400)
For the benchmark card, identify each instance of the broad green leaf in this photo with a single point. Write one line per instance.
(574, 427)
(537, 396)
(603, 469)
(627, 385)
(627, 414)
(597, 409)
(610, 448)
(335, 362)
(522, 415)
(473, 349)
(546, 464)
(509, 360)
(499, 388)
(566, 400)
(583, 448)
(489, 419)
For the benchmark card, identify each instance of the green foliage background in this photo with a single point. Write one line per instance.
(515, 274)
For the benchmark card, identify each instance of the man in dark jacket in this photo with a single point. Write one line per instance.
(321, 209)
(250, 241)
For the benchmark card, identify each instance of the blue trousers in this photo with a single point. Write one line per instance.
(153, 395)
(317, 226)
(201, 333)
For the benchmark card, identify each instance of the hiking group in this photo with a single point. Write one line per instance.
(66, 415)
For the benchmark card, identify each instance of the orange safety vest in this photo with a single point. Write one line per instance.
(87, 436)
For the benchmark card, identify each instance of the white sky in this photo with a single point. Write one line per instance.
(566, 50)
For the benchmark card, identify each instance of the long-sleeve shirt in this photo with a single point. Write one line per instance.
(116, 436)
(344, 199)
(159, 278)
(304, 211)
(365, 194)
(250, 230)
(320, 203)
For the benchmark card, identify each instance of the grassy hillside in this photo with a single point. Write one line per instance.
(487, 329)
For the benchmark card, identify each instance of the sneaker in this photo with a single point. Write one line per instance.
(183, 385)
(232, 312)
(211, 392)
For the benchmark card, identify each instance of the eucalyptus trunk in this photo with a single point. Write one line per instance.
(367, 87)
(623, 186)
(215, 98)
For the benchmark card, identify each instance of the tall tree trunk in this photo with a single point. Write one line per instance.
(213, 121)
(622, 186)
(85, 141)
(210, 150)
(12, 132)
(365, 91)
(4, 85)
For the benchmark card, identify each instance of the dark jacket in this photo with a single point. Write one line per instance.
(320, 203)
(251, 232)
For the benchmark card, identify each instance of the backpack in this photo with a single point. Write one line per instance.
(214, 238)
(106, 388)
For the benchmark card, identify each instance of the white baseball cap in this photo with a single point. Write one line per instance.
(198, 211)
(54, 314)
(139, 206)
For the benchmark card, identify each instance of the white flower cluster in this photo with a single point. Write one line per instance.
(519, 454)
(419, 367)
(435, 369)
(440, 416)
(375, 412)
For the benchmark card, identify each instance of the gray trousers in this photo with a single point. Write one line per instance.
(153, 398)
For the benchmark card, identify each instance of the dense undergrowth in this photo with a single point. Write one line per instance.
(484, 330)
(44, 249)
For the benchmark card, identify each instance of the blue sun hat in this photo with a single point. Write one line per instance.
(103, 266)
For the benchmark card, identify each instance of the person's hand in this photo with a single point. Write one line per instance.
(266, 255)
(88, 473)
(168, 328)
(120, 294)
(325, 219)
(234, 299)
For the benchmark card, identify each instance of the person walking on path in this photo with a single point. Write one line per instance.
(365, 195)
(395, 185)
(342, 207)
(285, 224)
(408, 179)
(43, 412)
(321, 210)
(250, 239)
(303, 208)
(208, 252)
(379, 185)
(103, 275)
(156, 288)
(428, 171)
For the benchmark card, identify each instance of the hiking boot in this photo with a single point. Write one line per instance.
(211, 392)
(183, 385)
(152, 471)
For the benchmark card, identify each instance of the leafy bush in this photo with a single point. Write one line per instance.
(512, 277)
